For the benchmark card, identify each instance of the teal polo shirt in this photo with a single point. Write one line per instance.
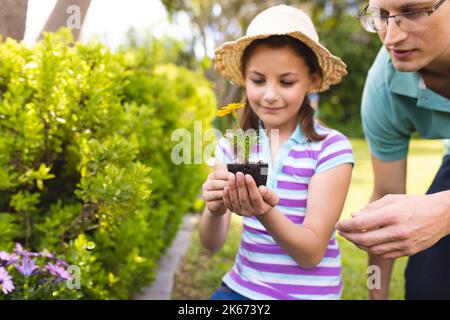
(395, 105)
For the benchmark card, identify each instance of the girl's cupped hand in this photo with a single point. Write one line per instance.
(243, 197)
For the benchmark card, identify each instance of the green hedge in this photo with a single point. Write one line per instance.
(340, 106)
(85, 157)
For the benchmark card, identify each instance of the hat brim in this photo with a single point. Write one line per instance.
(227, 60)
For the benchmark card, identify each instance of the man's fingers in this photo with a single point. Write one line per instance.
(370, 238)
(387, 248)
(362, 247)
(394, 255)
(382, 243)
(378, 204)
(365, 222)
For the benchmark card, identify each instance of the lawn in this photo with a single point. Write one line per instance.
(200, 273)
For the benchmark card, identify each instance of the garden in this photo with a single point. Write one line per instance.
(94, 182)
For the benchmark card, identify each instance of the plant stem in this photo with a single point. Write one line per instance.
(247, 140)
(247, 149)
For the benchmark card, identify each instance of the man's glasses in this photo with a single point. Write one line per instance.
(374, 20)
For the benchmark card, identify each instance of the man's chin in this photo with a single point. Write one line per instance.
(410, 65)
(405, 66)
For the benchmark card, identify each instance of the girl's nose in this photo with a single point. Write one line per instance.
(270, 95)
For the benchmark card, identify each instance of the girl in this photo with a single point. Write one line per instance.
(288, 249)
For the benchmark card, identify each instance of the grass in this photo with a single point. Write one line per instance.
(200, 273)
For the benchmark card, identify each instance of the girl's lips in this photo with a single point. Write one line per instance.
(401, 54)
(271, 110)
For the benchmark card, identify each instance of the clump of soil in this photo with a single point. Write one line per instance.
(258, 171)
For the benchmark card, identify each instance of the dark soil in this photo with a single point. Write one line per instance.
(257, 170)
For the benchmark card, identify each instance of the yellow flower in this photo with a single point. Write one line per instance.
(229, 108)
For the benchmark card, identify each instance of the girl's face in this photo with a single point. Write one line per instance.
(276, 81)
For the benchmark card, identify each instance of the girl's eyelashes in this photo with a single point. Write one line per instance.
(287, 83)
(283, 82)
(257, 81)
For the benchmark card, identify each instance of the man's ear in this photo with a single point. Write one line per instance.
(314, 81)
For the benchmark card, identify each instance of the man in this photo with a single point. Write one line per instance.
(407, 90)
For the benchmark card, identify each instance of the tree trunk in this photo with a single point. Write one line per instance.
(13, 16)
(67, 13)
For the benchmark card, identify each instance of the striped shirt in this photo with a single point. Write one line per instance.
(262, 269)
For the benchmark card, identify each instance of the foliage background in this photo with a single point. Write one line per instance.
(216, 21)
(85, 155)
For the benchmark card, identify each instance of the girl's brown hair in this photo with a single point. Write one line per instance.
(249, 119)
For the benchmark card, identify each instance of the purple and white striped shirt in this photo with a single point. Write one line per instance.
(262, 269)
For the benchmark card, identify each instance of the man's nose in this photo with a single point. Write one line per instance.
(393, 34)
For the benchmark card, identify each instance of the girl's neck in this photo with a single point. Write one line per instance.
(284, 131)
(278, 136)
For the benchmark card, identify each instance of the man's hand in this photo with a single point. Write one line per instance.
(243, 197)
(399, 225)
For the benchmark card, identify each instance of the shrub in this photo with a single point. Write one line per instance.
(343, 35)
(85, 157)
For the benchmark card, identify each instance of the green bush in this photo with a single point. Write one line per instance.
(85, 157)
(344, 36)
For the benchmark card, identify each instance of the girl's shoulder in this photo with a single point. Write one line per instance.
(331, 136)
(334, 150)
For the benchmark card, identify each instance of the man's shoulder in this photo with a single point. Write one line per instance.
(377, 88)
(381, 69)
(388, 138)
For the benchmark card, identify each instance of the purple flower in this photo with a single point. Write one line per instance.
(28, 267)
(20, 251)
(4, 256)
(58, 271)
(6, 281)
(60, 262)
(47, 254)
(9, 258)
(19, 248)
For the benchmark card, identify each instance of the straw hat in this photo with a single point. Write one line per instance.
(279, 20)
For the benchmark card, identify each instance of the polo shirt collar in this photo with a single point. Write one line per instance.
(411, 84)
(405, 83)
(296, 136)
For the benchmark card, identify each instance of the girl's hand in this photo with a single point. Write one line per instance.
(212, 192)
(243, 197)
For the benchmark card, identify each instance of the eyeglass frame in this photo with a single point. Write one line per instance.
(429, 11)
